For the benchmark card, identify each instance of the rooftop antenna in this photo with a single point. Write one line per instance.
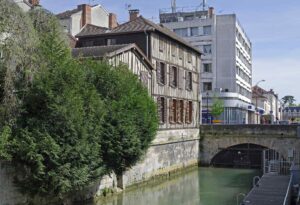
(203, 5)
(173, 6)
(128, 6)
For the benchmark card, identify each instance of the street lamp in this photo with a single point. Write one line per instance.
(256, 108)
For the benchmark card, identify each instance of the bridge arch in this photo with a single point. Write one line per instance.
(245, 155)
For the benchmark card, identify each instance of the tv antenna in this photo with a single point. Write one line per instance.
(173, 6)
(203, 4)
(128, 6)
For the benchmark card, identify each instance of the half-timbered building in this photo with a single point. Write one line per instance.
(175, 83)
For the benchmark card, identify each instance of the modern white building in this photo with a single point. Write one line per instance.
(226, 63)
(74, 20)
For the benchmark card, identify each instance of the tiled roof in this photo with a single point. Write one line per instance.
(96, 51)
(68, 13)
(107, 51)
(141, 25)
(90, 30)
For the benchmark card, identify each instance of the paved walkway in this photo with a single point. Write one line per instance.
(271, 190)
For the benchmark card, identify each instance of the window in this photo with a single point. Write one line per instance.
(183, 32)
(173, 49)
(173, 76)
(206, 30)
(180, 53)
(207, 49)
(180, 111)
(173, 110)
(194, 31)
(161, 73)
(207, 86)
(189, 112)
(88, 43)
(189, 80)
(189, 57)
(111, 41)
(162, 109)
(144, 78)
(161, 44)
(207, 67)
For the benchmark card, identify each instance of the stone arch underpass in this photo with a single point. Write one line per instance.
(227, 145)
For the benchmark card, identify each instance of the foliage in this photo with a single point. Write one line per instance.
(288, 100)
(17, 43)
(72, 121)
(131, 123)
(57, 135)
(217, 107)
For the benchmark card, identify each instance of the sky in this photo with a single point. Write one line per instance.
(273, 27)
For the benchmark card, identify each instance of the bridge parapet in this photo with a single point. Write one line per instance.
(281, 131)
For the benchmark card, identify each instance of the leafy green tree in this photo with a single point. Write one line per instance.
(18, 47)
(131, 123)
(217, 107)
(288, 100)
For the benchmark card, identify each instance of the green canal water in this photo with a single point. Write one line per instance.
(201, 186)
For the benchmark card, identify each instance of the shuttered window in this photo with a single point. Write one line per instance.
(180, 111)
(189, 57)
(161, 73)
(173, 76)
(180, 78)
(189, 112)
(162, 110)
(188, 80)
(173, 110)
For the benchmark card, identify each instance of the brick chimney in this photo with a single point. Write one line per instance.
(113, 23)
(211, 12)
(34, 2)
(86, 17)
(134, 14)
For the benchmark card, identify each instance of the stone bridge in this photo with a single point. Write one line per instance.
(215, 138)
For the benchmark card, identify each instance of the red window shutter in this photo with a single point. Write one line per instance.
(171, 114)
(159, 108)
(165, 110)
(187, 112)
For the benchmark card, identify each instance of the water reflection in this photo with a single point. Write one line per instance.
(203, 186)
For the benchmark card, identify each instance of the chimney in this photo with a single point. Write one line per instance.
(86, 17)
(210, 12)
(34, 2)
(133, 14)
(112, 21)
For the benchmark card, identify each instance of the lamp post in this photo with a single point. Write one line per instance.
(207, 95)
(256, 108)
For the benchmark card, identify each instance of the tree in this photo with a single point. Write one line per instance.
(217, 107)
(132, 121)
(56, 140)
(73, 118)
(18, 41)
(288, 100)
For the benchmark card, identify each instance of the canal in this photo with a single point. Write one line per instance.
(200, 186)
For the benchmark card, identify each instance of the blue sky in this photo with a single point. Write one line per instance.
(272, 25)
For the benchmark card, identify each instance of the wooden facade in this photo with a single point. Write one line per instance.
(175, 77)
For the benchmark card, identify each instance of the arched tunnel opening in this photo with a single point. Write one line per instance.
(240, 156)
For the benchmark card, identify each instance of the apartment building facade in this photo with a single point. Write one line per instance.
(226, 69)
